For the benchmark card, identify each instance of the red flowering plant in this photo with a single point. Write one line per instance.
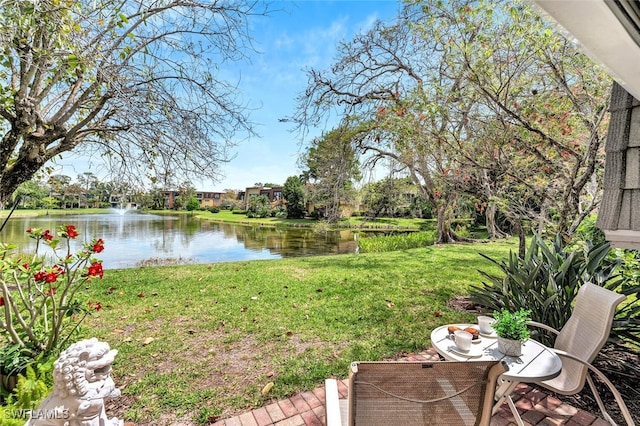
(38, 295)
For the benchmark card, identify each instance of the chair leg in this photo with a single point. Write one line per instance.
(618, 397)
(623, 407)
(596, 395)
(332, 403)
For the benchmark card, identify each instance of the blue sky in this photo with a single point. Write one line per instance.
(297, 35)
(300, 35)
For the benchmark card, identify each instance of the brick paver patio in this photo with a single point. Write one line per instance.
(307, 408)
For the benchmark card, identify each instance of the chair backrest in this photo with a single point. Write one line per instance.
(422, 393)
(584, 334)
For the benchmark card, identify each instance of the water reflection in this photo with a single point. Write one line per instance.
(133, 238)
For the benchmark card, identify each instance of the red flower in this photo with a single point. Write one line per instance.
(46, 234)
(39, 276)
(57, 269)
(95, 270)
(98, 246)
(50, 292)
(51, 277)
(26, 266)
(1, 301)
(71, 231)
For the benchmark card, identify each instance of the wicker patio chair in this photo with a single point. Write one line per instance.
(415, 393)
(580, 340)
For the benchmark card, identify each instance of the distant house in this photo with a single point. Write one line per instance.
(206, 199)
(274, 194)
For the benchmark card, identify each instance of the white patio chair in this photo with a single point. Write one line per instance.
(580, 340)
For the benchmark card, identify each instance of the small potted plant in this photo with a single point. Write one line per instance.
(512, 330)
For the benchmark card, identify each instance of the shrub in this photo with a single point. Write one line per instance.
(32, 388)
(193, 204)
(37, 298)
(626, 323)
(258, 207)
(587, 231)
(214, 209)
(546, 281)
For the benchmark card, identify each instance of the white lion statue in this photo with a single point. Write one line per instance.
(81, 377)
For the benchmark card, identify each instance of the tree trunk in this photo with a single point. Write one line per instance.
(444, 227)
(522, 240)
(492, 227)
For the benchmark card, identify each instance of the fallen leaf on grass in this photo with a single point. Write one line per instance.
(148, 340)
(267, 388)
(140, 294)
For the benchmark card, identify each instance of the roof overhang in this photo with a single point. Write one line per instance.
(608, 31)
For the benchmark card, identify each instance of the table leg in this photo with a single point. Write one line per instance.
(503, 393)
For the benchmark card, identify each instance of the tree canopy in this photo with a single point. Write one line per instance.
(135, 81)
(293, 193)
(474, 97)
(330, 167)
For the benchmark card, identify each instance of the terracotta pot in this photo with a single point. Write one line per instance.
(509, 347)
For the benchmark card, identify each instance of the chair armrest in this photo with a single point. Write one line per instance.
(332, 403)
(601, 376)
(543, 326)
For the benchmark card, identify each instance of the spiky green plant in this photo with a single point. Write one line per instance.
(545, 281)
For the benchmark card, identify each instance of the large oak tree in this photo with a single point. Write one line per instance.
(136, 81)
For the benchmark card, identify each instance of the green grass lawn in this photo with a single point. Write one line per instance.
(351, 222)
(201, 341)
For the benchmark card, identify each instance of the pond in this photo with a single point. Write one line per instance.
(134, 239)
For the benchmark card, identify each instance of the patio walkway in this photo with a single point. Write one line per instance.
(307, 408)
